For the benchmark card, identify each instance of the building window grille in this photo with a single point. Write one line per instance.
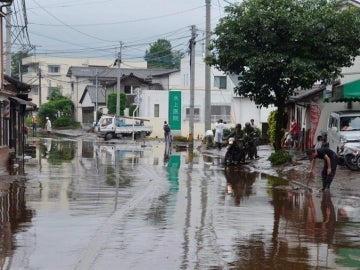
(221, 112)
(220, 82)
(196, 114)
(54, 69)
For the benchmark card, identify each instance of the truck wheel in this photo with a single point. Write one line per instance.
(109, 136)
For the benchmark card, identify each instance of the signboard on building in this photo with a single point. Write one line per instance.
(175, 110)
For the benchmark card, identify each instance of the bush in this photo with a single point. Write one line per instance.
(280, 157)
(62, 122)
(226, 132)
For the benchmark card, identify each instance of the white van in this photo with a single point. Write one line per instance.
(343, 127)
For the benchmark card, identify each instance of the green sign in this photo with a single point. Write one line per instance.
(175, 110)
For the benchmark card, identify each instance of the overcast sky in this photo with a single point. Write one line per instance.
(90, 28)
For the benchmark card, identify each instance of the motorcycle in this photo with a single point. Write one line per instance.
(349, 155)
(235, 153)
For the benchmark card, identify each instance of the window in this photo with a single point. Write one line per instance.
(55, 69)
(220, 82)
(156, 110)
(196, 114)
(127, 89)
(220, 112)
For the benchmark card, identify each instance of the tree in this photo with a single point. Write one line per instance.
(276, 47)
(16, 64)
(112, 102)
(59, 109)
(161, 55)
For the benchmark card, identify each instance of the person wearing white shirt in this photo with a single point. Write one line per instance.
(219, 131)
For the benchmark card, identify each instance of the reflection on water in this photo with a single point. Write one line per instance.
(13, 216)
(239, 183)
(146, 208)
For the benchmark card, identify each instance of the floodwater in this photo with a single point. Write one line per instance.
(86, 204)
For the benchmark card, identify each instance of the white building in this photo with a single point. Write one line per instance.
(45, 74)
(73, 76)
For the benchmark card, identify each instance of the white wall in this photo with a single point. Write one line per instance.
(243, 109)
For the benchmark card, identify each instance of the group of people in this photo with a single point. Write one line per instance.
(47, 126)
(319, 151)
(249, 132)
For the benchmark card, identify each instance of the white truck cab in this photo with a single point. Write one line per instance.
(111, 126)
(343, 127)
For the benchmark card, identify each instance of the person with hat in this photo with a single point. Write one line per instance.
(219, 132)
(48, 125)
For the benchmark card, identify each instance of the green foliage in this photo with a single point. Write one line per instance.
(280, 157)
(55, 93)
(61, 152)
(226, 132)
(272, 126)
(46, 110)
(111, 104)
(28, 120)
(59, 109)
(161, 55)
(277, 47)
(62, 122)
(16, 62)
(132, 108)
(98, 115)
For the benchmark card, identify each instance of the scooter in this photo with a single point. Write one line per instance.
(235, 153)
(349, 154)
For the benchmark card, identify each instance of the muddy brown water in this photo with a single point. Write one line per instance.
(86, 204)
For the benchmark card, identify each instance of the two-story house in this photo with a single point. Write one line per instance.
(88, 82)
(46, 74)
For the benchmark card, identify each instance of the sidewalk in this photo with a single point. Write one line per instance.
(295, 172)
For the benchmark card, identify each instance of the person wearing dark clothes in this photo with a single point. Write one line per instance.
(330, 163)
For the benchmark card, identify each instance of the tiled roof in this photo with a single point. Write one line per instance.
(91, 89)
(112, 72)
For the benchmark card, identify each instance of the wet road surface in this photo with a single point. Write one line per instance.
(86, 204)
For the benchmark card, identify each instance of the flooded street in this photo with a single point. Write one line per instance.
(89, 204)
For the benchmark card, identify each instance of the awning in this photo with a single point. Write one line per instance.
(346, 92)
(27, 103)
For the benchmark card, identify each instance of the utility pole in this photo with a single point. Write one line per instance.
(8, 42)
(97, 95)
(192, 85)
(39, 74)
(118, 61)
(207, 70)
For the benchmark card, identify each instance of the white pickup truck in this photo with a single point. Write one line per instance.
(110, 126)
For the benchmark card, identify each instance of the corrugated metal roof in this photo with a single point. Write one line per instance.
(304, 94)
